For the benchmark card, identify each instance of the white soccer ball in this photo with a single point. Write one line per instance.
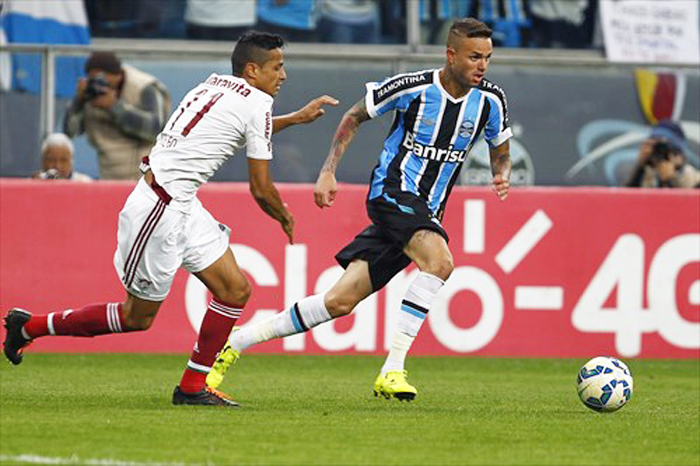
(605, 384)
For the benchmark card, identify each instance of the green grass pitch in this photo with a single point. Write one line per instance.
(115, 409)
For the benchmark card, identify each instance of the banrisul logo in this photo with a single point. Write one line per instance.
(433, 153)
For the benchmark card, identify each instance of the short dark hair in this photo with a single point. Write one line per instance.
(103, 61)
(252, 47)
(468, 27)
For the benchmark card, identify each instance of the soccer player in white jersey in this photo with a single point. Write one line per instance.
(438, 115)
(163, 225)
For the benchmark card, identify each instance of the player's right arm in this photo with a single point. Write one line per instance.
(259, 154)
(307, 114)
(326, 186)
(266, 195)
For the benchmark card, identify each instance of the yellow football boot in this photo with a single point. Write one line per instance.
(226, 357)
(394, 385)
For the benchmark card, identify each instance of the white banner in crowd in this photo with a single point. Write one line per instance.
(646, 31)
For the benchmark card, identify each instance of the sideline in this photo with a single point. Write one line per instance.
(37, 459)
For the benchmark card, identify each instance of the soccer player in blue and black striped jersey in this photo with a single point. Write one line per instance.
(438, 115)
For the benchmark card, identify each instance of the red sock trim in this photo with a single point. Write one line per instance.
(89, 321)
(231, 305)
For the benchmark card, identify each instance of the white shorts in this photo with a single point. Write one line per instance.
(154, 240)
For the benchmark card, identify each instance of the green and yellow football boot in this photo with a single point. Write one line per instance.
(226, 357)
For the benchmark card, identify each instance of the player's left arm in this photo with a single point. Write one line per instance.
(307, 114)
(501, 168)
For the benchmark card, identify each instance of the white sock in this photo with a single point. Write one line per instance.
(414, 310)
(302, 316)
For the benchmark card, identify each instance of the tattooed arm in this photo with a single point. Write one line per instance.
(326, 189)
(500, 168)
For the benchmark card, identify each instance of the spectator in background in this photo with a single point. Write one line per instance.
(163, 19)
(295, 20)
(219, 19)
(57, 156)
(562, 23)
(436, 18)
(392, 17)
(508, 18)
(349, 22)
(662, 162)
(111, 18)
(122, 110)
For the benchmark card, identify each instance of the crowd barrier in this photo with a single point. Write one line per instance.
(550, 272)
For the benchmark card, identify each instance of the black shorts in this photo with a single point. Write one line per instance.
(394, 221)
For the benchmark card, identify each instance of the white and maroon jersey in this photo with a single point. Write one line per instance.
(219, 116)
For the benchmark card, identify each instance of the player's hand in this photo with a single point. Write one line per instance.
(325, 190)
(287, 223)
(500, 186)
(314, 109)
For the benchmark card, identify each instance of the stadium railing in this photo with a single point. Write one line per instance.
(402, 57)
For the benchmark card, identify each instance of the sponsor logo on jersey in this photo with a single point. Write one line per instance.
(432, 152)
(488, 86)
(406, 81)
(399, 84)
(167, 141)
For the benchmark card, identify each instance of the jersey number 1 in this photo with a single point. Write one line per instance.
(193, 122)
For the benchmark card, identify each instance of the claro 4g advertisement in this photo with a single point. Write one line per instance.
(549, 272)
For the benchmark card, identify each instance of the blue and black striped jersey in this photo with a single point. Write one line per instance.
(432, 133)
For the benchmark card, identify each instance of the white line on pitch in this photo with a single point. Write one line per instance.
(539, 298)
(523, 241)
(38, 459)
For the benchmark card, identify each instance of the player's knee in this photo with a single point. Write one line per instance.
(137, 323)
(137, 316)
(339, 305)
(235, 294)
(445, 268)
(441, 268)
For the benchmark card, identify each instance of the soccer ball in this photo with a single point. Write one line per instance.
(604, 384)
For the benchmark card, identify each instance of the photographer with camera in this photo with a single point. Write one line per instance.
(57, 159)
(662, 162)
(122, 110)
